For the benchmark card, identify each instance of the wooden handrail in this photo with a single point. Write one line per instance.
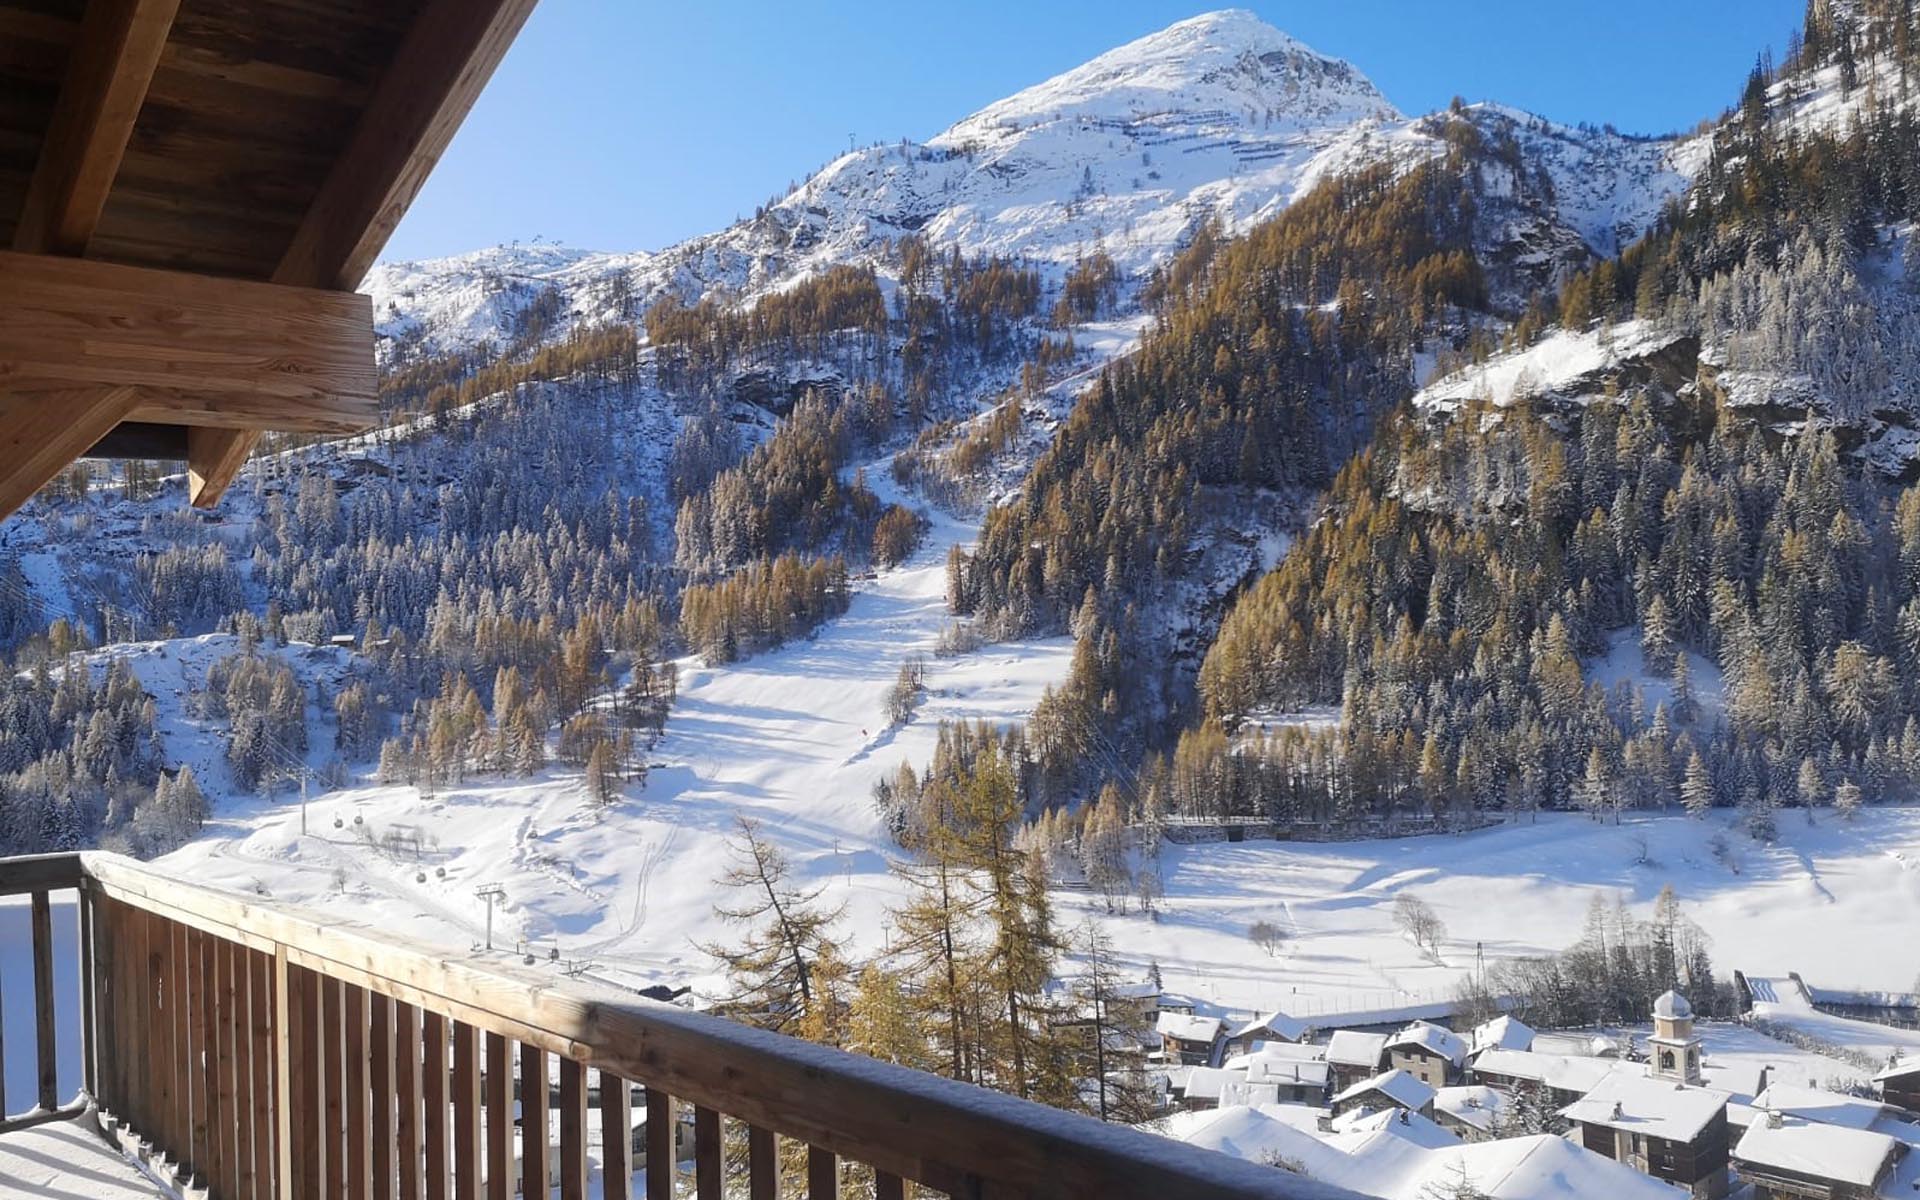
(212, 977)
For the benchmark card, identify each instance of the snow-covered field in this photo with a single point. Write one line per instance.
(1525, 889)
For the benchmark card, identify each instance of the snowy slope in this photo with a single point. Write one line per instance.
(793, 738)
(1217, 117)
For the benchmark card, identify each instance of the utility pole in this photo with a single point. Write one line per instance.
(490, 892)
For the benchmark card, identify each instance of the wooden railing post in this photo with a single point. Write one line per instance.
(433, 1066)
(43, 1021)
(616, 1137)
(466, 1112)
(573, 1132)
(534, 1132)
(823, 1174)
(282, 1078)
(660, 1146)
(709, 1156)
(763, 1164)
(499, 1088)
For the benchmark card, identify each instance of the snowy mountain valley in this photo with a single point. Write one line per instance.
(1187, 529)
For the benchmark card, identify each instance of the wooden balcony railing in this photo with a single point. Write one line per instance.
(258, 1050)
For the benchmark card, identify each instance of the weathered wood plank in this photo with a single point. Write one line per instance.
(535, 1132)
(444, 61)
(660, 1123)
(164, 1058)
(573, 1133)
(468, 1155)
(283, 1185)
(439, 1118)
(499, 1085)
(308, 1092)
(616, 1137)
(407, 1098)
(823, 1174)
(333, 1059)
(204, 1061)
(763, 1164)
(40, 872)
(709, 1155)
(358, 1166)
(198, 350)
(888, 1187)
(380, 1087)
(43, 1014)
(223, 1112)
(261, 1031)
(106, 83)
(89, 1002)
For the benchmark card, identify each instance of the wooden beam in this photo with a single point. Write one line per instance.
(197, 350)
(42, 432)
(214, 457)
(108, 72)
(441, 66)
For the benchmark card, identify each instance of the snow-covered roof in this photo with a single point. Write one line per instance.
(1144, 990)
(1398, 1086)
(1434, 1039)
(1672, 1006)
(1353, 1049)
(1402, 1123)
(1278, 1024)
(1247, 1092)
(1473, 1104)
(1278, 1051)
(1909, 1065)
(1508, 1033)
(1654, 1107)
(1291, 1072)
(1818, 1104)
(1853, 1156)
(1562, 1072)
(1206, 1083)
(1187, 1027)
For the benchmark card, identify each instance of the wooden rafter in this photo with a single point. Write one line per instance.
(106, 83)
(445, 60)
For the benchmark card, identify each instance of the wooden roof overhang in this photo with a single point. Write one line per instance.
(190, 190)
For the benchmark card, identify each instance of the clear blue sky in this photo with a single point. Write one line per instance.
(631, 124)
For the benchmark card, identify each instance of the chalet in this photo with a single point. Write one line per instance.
(1188, 1039)
(1431, 1053)
(1201, 1088)
(1661, 1127)
(1273, 1027)
(1471, 1112)
(1899, 1083)
(1503, 1032)
(1354, 1056)
(1389, 1089)
(1821, 1106)
(1295, 1081)
(1559, 1078)
(1790, 1158)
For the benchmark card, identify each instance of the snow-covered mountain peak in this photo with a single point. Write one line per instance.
(1228, 64)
